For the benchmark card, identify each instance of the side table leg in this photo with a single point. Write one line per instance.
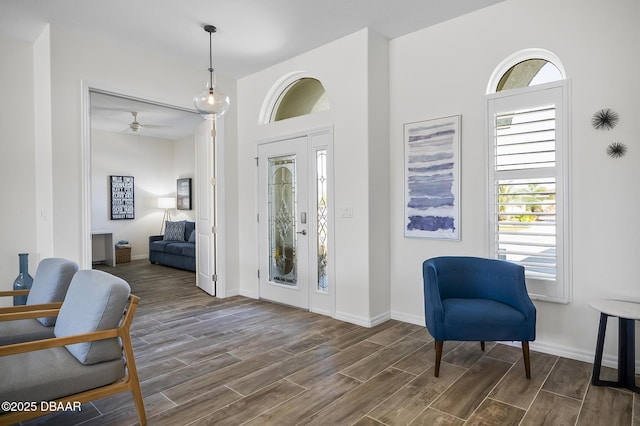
(597, 363)
(629, 372)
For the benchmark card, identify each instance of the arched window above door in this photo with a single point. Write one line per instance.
(303, 96)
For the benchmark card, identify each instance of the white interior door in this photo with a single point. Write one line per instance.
(284, 221)
(205, 208)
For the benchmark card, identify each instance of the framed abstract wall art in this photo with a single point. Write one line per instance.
(432, 179)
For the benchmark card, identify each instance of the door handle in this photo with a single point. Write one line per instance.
(303, 232)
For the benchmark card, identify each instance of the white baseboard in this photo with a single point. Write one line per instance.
(362, 321)
(411, 319)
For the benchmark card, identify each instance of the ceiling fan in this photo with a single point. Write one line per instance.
(135, 126)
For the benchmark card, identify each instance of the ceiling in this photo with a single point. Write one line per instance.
(252, 34)
(115, 114)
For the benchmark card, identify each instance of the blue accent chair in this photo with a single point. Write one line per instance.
(476, 299)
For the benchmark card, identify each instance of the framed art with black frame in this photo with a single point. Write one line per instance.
(183, 194)
(122, 197)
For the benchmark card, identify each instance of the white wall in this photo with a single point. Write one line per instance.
(17, 161)
(347, 88)
(155, 165)
(121, 69)
(444, 70)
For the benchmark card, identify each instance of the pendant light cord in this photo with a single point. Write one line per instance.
(210, 62)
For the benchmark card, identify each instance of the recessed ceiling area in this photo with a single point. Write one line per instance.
(111, 113)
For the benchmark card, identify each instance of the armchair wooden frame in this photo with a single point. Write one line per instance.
(130, 382)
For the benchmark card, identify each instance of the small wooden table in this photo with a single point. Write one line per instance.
(627, 313)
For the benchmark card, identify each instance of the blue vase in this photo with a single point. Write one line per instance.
(23, 281)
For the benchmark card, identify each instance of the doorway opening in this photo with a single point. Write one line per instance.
(153, 143)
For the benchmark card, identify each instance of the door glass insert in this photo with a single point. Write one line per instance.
(321, 181)
(282, 220)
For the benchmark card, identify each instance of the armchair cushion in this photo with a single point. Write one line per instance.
(50, 284)
(42, 382)
(77, 317)
(23, 331)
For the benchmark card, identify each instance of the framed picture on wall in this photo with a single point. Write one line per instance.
(432, 179)
(122, 197)
(183, 194)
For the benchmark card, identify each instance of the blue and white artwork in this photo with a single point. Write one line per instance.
(432, 178)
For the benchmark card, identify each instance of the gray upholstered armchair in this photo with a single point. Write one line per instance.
(49, 288)
(90, 357)
(476, 299)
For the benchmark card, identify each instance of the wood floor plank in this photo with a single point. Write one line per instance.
(196, 408)
(569, 378)
(550, 409)
(492, 412)
(406, 404)
(279, 370)
(206, 381)
(467, 353)
(515, 389)
(431, 417)
(419, 360)
(603, 404)
(380, 360)
(357, 403)
(395, 333)
(327, 367)
(305, 404)
(468, 392)
(251, 406)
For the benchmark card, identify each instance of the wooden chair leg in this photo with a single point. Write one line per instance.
(438, 356)
(527, 360)
(482, 345)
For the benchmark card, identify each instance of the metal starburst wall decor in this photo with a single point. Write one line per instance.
(605, 119)
(616, 150)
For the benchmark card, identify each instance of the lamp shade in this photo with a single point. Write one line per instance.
(166, 203)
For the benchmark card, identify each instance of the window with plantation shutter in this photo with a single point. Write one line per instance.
(528, 182)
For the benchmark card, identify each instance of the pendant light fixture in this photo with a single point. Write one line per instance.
(211, 103)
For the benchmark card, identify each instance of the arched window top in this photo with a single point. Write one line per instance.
(526, 68)
(303, 96)
(295, 94)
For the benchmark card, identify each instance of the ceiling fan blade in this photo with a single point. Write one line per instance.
(157, 126)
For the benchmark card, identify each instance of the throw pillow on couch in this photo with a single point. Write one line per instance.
(174, 231)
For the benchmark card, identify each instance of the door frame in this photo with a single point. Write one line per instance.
(85, 199)
(317, 138)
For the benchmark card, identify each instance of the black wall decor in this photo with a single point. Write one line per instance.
(605, 119)
(183, 194)
(122, 197)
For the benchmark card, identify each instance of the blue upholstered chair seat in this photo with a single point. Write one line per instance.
(465, 319)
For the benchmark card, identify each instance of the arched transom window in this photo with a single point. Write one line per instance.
(303, 96)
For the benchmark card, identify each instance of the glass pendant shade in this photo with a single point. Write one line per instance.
(211, 102)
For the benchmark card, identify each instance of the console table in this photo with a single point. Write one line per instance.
(627, 313)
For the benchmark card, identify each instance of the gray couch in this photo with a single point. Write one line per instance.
(174, 252)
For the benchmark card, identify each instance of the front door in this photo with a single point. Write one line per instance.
(283, 221)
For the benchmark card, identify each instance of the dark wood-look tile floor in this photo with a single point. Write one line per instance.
(239, 361)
